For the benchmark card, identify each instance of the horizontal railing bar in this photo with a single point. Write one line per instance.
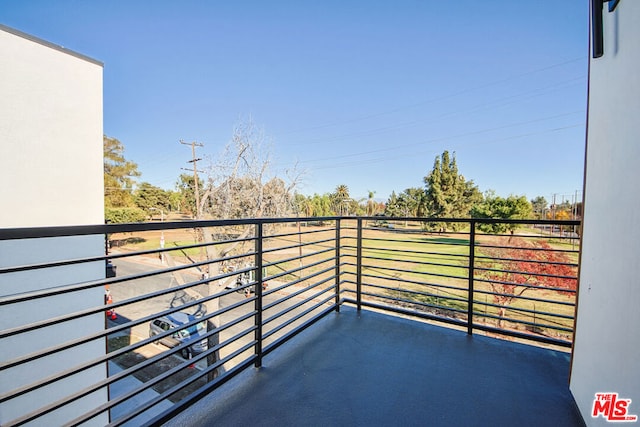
(193, 378)
(378, 239)
(101, 308)
(438, 286)
(411, 252)
(410, 261)
(469, 220)
(291, 320)
(295, 270)
(483, 258)
(276, 264)
(414, 272)
(420, 303)
(522, 297)
(297, 305)
(527, 273)
(408, 231)
(194, 397)
(460, 323)
(298, 245)
(162, 396)
(27, 267)
(521, 322)
(59, 290)
(129, 371)
(525, 310)
(408, 241)
(416, 282)
(300, 291)
(297, 233)
(522, 285)
(400, 310)
(128, 325)
(528, 337)
(81, 230)
(533, 249)
(410, 291)
(117, 377)
(296, 258)
(114, 256)
(278, 342)
(529, 236)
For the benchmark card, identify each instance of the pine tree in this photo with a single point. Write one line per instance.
(448, 194)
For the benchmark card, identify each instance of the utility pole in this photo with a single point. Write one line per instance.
(195, 160)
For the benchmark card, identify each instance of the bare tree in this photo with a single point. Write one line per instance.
(240, 182)
(239, 185)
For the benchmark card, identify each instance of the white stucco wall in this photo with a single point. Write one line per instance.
(50, 175)
(607, 342)
(50, 134)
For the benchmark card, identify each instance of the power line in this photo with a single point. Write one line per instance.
(414, 153)
(437, 99)
(496, 103)
(444, 138)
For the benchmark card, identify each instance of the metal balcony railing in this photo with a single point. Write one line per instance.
(79, 347)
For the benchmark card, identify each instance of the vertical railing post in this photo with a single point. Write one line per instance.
(359, 265)
(338, 261)
(472, 253)
(258, 287)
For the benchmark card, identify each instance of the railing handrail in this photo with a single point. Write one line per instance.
(346, 269)
(14, 233)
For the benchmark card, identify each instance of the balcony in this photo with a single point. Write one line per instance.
(350, 321)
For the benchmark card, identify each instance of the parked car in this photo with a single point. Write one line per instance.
(244, 279)
(110, 269)
(193, 333)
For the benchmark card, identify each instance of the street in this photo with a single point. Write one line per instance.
(138, 287)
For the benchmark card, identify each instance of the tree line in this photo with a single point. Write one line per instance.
(239, 184)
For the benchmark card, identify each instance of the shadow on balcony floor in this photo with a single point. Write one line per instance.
(363, 369)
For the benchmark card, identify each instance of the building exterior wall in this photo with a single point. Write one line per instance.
(50, 175)
(51, 135)
(607, 339)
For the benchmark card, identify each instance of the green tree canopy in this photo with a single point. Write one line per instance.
(185, 187)
(493, 206)
(124, 215)
(539, 205)
(393, 207)
(447, 193)
(149, 197)
(411, 202)
(321, 205)
(314, 206)
(119, 175)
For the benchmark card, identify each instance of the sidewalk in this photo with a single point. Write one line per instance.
(125, 385)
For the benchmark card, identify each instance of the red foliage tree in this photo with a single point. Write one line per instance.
(523, 266)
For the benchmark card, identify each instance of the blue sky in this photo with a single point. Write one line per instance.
(362, 93)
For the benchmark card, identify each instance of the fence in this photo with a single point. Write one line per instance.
(195, 303)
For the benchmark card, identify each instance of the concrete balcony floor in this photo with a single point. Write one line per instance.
(368, 368)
